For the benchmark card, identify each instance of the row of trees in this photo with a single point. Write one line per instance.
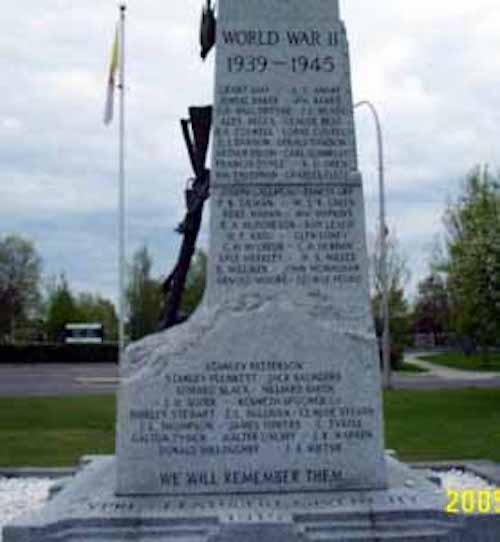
(460, 297)
(458, 302)
(63, 306)
(34, 310)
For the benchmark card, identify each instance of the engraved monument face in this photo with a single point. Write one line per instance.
(287, 207)
(274, 384)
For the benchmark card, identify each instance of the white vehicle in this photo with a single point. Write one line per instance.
(83, 333)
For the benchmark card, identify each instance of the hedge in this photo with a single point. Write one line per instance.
(59, 353)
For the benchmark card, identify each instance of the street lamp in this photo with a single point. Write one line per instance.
(384, 309)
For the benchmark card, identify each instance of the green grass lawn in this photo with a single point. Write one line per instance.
(435, 425)
(457, 360)
(443, 424)
(409, 367)
(55, 431)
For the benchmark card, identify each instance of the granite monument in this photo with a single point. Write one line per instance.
(274, 385)
(260, 418)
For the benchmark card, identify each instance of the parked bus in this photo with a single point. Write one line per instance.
(83, 333)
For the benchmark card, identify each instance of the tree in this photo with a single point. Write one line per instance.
(64, 307)
(143, 296)
(397, 278)
(144, 293)
(61, 309)
(195, 284)
(432, 312)
(398, 273)
(97, 309)
(472, 263)
(20, 268)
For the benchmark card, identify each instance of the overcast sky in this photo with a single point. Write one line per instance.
(431, 67)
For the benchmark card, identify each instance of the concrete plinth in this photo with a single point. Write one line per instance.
(410, 509)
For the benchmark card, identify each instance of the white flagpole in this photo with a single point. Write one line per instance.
(121, 190)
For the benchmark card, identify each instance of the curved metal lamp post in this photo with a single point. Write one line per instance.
(384, 310)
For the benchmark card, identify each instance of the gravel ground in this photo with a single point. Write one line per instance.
(459, 480)
(20, 495)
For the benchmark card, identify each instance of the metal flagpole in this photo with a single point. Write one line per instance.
(384, 309)
(121, 190)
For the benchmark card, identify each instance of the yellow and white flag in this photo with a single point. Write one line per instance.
(113, 69)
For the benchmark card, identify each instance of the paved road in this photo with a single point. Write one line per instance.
(57, 379)
(65, 379)
(439, 377)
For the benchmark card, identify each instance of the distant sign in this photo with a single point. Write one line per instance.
(83, 333)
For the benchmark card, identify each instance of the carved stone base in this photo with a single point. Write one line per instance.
(411, 509)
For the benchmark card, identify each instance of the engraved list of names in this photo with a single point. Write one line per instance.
(287, 206)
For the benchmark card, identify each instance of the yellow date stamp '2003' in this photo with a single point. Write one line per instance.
(473, 501)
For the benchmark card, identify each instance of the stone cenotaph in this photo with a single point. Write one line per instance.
(260, 418)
